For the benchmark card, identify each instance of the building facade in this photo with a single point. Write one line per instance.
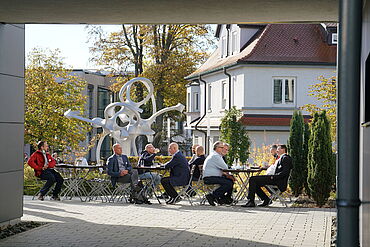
(265, 71)
(11, 122)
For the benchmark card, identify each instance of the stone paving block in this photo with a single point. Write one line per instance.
(119, 224)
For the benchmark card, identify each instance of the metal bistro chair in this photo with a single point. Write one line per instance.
(149, 189)
(203, 189)
(275, 193)
(186, 190)
(120, 192)
(100, 187)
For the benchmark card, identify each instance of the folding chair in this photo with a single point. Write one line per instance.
(205, 188)
(187, 190)
(120, 192)
(277, 194)
(149, 188)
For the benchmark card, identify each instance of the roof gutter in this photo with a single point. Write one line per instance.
(229, 86)
(259, 63)
(204, 114)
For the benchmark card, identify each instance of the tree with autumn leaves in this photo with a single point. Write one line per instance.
(165, 54)
(50, 90)
(325, 92)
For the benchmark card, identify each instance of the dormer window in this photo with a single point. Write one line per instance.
(234, 43)
(334, 38)
(223, 47)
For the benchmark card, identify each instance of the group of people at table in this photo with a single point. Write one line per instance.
(211, 169)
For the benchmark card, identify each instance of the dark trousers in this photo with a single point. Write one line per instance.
(225, 189)
(255, 186)
(51, 176)
(170, 190)
(132, 179)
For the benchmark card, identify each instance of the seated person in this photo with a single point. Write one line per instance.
(43, 164)
(197, 162)
(80, 160)
(57, 159)
(280, 178)
(193, 148)
(213, 174)
(120, 170)
(271, 169)
(179, 173)
(147, 159)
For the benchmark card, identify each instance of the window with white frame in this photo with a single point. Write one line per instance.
(216, 138)
(195, 101)
(209, 97)
(233, 91)
(284, 90)
(188, 102)
(223, 94)
(234, 43)
(196, 140)
(223, 47)
(334, 38)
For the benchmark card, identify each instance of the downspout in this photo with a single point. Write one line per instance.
(348, 131)
(229, 86)
(204, 114)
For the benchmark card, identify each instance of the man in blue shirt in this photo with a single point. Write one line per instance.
(120, 170)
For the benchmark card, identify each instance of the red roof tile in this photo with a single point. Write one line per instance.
(268, 120)
(295, 43)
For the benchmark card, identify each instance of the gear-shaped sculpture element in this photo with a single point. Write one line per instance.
(129, 114)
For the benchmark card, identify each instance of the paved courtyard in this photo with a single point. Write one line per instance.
(75, 223)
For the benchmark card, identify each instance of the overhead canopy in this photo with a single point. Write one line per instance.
(167, 11)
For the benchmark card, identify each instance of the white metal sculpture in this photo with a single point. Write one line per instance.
(129, 114)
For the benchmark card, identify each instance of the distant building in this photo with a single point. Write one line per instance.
(264, 70)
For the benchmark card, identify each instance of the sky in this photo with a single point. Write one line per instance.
(70, 39)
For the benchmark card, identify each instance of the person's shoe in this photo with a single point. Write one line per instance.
(137, 201)
(41, 198)
(163, 196)
(249, 204)
(147, 202)
(265, 203)
(55, 198)
(210, 199)
(176, 200)
(229, 201)
(170, 201)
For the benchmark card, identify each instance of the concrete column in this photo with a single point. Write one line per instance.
(11, 122)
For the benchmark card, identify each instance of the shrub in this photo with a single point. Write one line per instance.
(296, 151)
(320, 159)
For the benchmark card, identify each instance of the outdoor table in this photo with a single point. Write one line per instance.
(74, 179)
(150, 169)
(243, 182)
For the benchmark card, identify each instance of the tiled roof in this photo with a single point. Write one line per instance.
(268, 120)
(279, 43)
(292, 43)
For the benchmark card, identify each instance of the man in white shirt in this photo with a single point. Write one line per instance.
(213, 174)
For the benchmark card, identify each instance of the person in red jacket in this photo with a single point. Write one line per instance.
(43, 164)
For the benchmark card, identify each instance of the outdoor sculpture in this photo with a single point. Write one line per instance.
(129, 114)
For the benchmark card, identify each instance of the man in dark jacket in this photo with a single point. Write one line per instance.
(120, 170)
(179, 173)
(280, 178)
(147, 159)
(197, 162)
(43, 164)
